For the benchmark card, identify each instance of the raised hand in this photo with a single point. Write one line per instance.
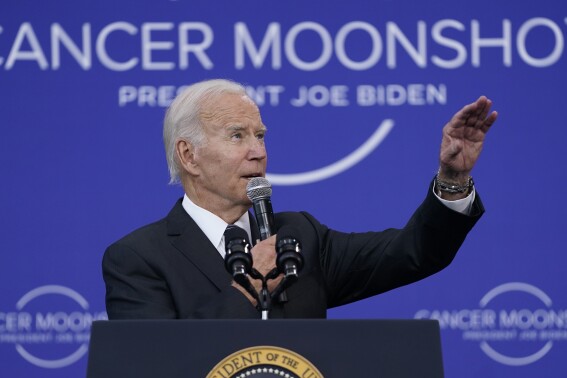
(463, 138)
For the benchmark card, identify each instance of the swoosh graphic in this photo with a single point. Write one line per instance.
(515, 361)
(337, 167)
(53, 364)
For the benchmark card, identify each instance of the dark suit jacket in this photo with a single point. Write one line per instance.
(169, 269)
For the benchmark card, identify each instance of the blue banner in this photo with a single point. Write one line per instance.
(354, 95)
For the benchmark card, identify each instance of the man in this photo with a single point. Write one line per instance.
(214, 141)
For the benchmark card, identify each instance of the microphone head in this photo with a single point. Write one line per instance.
(238, 259)
(285, 233)
(234, 232)
(236, 240)
(258, 188)
(288, 250)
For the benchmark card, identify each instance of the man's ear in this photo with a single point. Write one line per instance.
(186, 155)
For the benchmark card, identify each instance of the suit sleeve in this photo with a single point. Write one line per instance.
(360, 265)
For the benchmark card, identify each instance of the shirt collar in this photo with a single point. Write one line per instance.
(211, 225)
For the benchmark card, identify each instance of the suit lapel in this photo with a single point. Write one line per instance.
(187, 238)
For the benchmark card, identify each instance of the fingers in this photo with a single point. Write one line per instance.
(468, 110)
(264, 255)
(478, 111)
(475, 115)
(489, 121)
(484, 120)
(269, 242)
(484, 108)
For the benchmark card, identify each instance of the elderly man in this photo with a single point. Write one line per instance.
(214, 141)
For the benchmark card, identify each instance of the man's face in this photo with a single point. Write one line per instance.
(233, 152)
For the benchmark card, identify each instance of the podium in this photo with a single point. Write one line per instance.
(272, 348)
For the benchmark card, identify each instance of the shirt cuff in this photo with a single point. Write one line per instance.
(462, 206)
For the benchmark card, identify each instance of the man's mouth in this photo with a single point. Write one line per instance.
(252, 175)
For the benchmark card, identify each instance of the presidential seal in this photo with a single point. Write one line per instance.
(264, 361)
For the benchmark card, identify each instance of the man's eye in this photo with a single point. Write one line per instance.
(260, 136)
(236, 136)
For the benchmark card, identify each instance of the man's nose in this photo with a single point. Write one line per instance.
(257, 150)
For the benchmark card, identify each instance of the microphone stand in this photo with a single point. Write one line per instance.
(243, 281)
(286, 282)
(264, 298)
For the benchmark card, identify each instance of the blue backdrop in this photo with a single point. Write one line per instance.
(354, 94)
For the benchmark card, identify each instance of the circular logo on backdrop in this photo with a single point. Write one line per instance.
(264, 361)
(50, 327)
(515, 323)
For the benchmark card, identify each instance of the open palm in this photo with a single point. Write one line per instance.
(463, 138)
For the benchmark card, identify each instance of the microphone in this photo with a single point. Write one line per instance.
(259, 191)
(289, 260)
(238, 259)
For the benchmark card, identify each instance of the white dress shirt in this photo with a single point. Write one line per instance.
(462, 206)
(213, 226)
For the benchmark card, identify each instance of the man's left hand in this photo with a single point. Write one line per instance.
(463, 138)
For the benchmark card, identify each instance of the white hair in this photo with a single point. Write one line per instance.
(182, 119)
